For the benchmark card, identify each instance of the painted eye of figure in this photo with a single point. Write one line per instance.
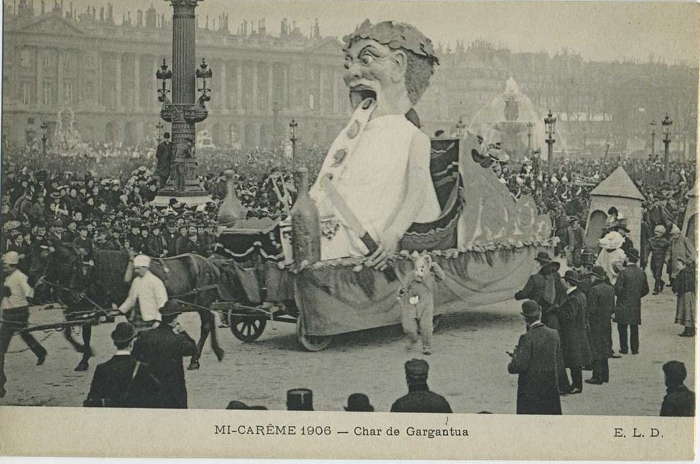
(366, 58)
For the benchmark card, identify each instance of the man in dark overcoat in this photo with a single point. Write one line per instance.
(573, 330)
(600, 309)
(164, 159)
(546, 289)
(162, 349)
(419, 397)
(535, 360)
(115, 381)
(679, 400)
(630, 288)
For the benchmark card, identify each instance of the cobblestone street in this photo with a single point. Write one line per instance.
(468, 366)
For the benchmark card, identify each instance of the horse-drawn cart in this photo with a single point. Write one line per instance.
(487, 249)
(336, 297)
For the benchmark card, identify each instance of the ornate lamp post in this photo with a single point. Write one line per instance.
(460, 127)
(653, 139)
(44, 137)
(666, 123)
(183, 112)
(293, 138)
(550, 123)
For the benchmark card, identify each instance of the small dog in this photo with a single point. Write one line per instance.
(417, 301)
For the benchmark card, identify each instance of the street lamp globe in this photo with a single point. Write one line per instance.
(667, 123)
(550, 123)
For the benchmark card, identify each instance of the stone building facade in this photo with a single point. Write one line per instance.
(104, 71)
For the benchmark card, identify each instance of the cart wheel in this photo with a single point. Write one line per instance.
(311, 342)
(246, 329)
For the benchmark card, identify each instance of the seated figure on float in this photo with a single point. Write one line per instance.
(380, 162)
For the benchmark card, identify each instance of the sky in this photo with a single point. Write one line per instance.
(666, 31)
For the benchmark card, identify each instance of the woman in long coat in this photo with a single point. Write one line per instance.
(573, 331)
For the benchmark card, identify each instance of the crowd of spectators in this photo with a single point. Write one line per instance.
(102, 196)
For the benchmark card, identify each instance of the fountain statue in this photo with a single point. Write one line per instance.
(510, 121)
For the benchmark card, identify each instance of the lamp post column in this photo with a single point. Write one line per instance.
(666, 123)
(550, 125)
(184, 112)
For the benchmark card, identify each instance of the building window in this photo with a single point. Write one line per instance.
(25, 59)
(68, 92)
(47, 94)
(47, 60)
(26, 93)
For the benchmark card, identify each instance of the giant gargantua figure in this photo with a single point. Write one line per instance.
(380, 162)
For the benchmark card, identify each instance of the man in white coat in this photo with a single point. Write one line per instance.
(149, 292)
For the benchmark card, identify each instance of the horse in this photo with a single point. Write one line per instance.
(190, 278)
(60, 274)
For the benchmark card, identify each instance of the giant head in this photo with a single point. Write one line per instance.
(388, 61)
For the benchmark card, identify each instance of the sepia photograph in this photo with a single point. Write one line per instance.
(469, 209)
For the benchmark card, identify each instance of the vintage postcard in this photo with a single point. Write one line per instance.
(262, 228)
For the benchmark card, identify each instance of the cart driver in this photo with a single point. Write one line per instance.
(149, 292)
(387, 69)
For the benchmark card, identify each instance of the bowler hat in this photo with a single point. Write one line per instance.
(530, 308)
(544, 259)
(633, 254)
(237, 405)
(599, 273)
(571, 276)
(171, 307)
(359, 402)
(123, 332)
(300, 399)
(416, 368)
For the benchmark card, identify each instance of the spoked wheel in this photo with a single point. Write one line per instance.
(246, 329)
(311, 342)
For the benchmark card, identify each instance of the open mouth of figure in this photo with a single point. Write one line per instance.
(360, 93)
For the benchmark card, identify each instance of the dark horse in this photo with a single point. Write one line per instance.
(60, 276)
(190, 278)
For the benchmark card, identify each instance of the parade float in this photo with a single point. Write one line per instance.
(293, 271)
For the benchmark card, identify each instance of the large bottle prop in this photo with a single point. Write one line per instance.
(306, 228)
(231, 209)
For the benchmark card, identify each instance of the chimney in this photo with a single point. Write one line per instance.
(139, 18)
(102, 14)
